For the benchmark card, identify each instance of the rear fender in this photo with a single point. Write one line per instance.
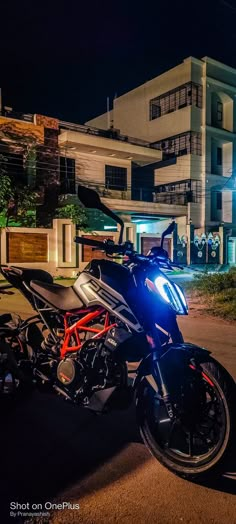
(173, 364)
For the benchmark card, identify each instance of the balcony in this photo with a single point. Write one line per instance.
(110, 142)
(113, 134)
(122, 202)
(179, 193)
(141, 207)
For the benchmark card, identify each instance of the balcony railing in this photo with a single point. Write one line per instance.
(27, 117)
(178, 193)
(142, 194)
(106, 133)
(178, 199)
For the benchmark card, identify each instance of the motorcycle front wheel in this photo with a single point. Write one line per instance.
(196, 441)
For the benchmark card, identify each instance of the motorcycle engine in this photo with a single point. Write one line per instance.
(92, 369)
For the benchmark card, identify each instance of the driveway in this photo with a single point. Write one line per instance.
(51, 451)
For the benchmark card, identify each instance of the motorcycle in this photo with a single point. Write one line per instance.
(11, 376)
(121, 318)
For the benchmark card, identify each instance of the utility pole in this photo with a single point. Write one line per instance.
(108, 113)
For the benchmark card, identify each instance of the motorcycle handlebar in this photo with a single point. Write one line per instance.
(110, 248)
(107, 246)
(89, 242)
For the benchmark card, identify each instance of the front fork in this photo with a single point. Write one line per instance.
(155, 376)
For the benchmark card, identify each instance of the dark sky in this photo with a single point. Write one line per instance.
(64, 58)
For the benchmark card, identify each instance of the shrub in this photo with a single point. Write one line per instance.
(224, 304)
(212, 284)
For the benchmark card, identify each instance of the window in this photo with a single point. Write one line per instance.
(156, 110)
(178, 145)
(116, 178)
(13, 165)
(219, 111)
(182, 96)
(180, 192)
(219, 200)
(67, 175)
(219, 156)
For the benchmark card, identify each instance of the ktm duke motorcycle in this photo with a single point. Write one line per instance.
(115, 315)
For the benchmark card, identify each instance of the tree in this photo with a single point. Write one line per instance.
(75, 212)
(16, 202)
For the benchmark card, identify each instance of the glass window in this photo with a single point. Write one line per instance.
(219, 200)
(219, 111)
(14, 166)
(116, 178)
(179, 193)
(67, 175)
(182, 96)
(178, 145)
(219, 156)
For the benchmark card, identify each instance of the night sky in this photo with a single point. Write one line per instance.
(65, 58)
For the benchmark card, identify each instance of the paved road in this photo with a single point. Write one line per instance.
(51, 451)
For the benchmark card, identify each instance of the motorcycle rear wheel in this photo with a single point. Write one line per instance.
(197, 443)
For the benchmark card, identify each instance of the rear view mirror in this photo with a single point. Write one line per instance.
(170, 229)
(167, 231)
(89, 197)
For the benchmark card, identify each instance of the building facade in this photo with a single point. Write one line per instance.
(189, 114)
(53, 157)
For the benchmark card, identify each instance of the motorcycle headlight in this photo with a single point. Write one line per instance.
(172, 294)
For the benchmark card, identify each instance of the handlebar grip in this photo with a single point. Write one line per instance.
(89, 242)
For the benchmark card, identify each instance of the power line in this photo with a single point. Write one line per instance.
(55, 167)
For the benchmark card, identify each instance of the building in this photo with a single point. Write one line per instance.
(113, 164)
(29, 155)
(189, 114)
(53, 157)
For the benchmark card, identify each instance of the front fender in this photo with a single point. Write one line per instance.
(173, 364)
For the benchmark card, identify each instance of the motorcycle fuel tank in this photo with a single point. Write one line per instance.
(109, 285)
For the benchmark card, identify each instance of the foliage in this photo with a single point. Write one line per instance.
(218, 291)
(75, 212)
(224, 304)
(215, 283)
(16, 202)
(5, 185)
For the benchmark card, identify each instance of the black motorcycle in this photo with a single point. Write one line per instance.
(83, 339)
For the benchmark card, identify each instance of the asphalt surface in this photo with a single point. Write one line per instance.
(53, 452)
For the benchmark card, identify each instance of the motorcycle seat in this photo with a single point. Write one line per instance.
(60, 297)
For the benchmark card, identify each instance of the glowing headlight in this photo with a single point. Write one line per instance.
(172, 294)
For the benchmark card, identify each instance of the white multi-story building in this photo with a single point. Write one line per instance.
(104, 160)
(189, 114)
